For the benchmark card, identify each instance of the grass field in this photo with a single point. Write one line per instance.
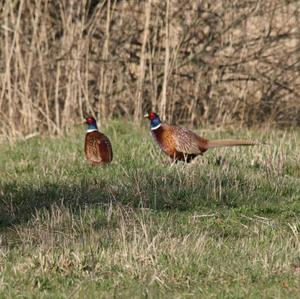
(225, 226)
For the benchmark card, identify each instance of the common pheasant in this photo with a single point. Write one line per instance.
(97, 147)
(182, 144)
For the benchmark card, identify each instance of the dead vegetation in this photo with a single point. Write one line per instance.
(193, 61)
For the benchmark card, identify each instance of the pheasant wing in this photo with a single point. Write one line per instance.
(98, 148)
(105, 149)
(186, 141)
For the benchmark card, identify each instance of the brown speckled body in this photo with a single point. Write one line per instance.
(98, 149)
(179, 143)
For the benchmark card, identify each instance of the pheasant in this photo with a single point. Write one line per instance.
(182, 144)
(97, 147)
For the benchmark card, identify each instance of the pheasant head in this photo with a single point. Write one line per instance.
(92, 124)
(155, 122)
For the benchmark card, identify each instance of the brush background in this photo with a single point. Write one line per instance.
(195, 62)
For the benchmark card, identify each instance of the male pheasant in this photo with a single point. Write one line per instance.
(182, 144)
(97, 148)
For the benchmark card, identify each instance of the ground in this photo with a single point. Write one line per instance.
(225, 226)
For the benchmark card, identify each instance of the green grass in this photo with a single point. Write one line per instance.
(225, 226)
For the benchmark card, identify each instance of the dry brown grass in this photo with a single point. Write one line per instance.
(193, 61)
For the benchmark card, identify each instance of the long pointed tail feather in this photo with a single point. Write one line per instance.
(230, 142)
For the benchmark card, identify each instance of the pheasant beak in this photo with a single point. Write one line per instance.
(146, 115)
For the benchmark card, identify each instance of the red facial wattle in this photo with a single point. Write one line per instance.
(152, 115)
(90, 120)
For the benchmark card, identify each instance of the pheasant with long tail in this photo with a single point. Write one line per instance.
(181, 144)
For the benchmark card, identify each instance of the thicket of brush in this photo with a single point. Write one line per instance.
(193, 61)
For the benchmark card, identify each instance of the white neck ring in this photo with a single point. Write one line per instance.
(156, 127)
(91, 130)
